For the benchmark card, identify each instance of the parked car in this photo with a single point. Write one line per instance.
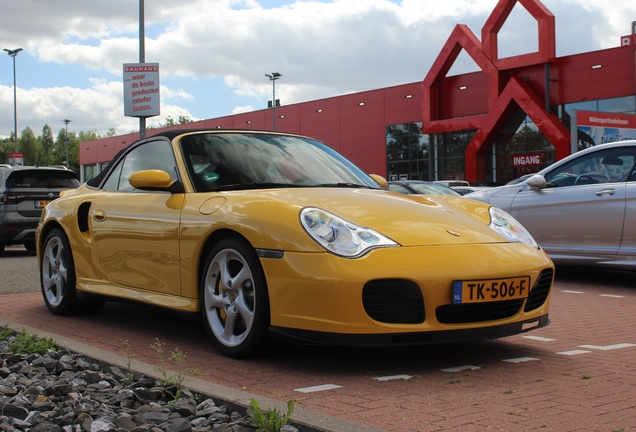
(272, 234)
(582, 209)
(520, 179)
(465, 190)
(24, 192)
(452, 183)
(420, 187)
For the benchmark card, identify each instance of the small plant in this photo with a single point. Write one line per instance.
(586, 376)
(5, 333)
(130, 375)
(25, 343)
(178, 357)
(272, 419)
(508, 392)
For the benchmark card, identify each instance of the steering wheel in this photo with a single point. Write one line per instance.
(585, 179)
(301, 179)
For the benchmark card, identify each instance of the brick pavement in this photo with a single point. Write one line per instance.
(579, 373)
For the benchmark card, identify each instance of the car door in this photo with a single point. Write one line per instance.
(628, 243)
(137, 232)
(582, 208)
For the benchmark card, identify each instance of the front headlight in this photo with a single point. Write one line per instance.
(339, 236)
(509, 227)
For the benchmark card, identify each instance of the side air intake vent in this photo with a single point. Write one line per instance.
(394, 301)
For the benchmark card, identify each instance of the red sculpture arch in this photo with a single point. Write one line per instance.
(506, 93)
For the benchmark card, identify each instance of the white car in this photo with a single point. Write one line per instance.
(581, 209)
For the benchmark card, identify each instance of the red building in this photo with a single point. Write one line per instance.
(473, 126)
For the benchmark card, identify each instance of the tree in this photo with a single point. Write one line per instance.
(46, 146)
(171, 122)
(29, 146)
(6, 146)
(49, 150)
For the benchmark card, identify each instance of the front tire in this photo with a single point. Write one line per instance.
(234, 300)
(57, 277)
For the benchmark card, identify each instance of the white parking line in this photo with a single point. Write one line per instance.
(539, 338)
(608, 347)
(520, 359)
(573, 352)
(393, 377)
(572, 292)
(460, 368)
(317, 388)
(610, 295)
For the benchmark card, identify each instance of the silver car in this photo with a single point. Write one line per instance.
(581, 209)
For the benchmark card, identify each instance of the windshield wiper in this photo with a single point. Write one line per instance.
(266, 185)
(246, 186)
(343, 185)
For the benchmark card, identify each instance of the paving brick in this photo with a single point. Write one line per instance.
(551, 393)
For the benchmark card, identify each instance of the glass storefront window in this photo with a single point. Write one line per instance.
(407, 152)
(88, 172)
(623, 105)
(450, 151)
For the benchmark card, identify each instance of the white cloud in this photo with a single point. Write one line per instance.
(322, 49)
(242, 109)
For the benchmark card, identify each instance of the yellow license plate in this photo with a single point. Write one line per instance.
(490, 290)
(41, 203)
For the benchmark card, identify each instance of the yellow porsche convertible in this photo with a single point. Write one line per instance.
(277, 235)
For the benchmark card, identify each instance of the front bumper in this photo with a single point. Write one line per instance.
(323, 296)
(286, 335)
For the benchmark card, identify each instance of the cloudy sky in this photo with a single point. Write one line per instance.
(214, 54)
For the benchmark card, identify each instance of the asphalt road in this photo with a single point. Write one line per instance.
(18, 271)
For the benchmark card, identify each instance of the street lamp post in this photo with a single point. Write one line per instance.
(273, 77)
(66, 140)
(13, 53)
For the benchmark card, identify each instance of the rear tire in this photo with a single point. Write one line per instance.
(234, 300)
(57, 277)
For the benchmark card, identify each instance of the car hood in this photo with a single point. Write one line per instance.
(410, 220)
(501, 196)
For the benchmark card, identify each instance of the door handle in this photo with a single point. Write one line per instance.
(99, 215)
(606, 192)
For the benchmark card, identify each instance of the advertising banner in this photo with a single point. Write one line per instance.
(141, 89)
(595, 128)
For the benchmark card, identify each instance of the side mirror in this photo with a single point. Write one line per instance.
(380, 180)
(537, 181)
(151, 180)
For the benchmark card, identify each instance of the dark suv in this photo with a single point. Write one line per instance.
(24, 192)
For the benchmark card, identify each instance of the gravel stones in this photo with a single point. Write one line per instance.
(66, 392)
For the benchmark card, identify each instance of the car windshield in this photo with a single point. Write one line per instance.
(431, 188)
(42, 179)
(231, 161)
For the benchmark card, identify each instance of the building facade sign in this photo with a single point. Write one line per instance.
(141, 89)
(526, 160)
(595, 128)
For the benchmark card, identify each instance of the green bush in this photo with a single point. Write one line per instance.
(270, 420)
(25, 343)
